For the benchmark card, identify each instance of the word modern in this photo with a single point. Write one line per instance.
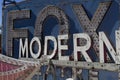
(59, 47)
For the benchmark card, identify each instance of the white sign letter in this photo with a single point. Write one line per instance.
(23, 48)
(82, 49)
(35, 55)
(104, 40)
(118, 45)
(62, 47)
(47, 38)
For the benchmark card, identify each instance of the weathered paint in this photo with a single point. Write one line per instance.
(109, 24)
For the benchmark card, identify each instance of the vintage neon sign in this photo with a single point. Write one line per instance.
(63, 22)
(83, 49)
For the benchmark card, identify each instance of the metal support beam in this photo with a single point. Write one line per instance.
(80, 65)
(88, 65)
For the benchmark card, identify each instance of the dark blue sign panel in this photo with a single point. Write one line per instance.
(40, 18)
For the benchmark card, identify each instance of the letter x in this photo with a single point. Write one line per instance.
(90, 26)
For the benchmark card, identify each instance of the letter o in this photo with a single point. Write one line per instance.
(35, 39)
